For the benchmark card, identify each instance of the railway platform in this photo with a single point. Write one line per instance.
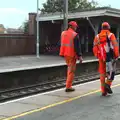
(86, 103)
(20, 63)
(22, 71)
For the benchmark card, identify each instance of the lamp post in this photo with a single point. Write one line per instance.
(65, 14)
(37, 41)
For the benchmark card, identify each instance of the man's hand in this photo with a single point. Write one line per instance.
(80, 59)
(115, 60)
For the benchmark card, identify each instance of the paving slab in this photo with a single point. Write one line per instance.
(80, 90)
(43, 100)
(92, 107)
(15, 108)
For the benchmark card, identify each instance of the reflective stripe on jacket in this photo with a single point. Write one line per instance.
(99, 48)
(67, 43)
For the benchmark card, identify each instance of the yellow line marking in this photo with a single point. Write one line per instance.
(55, 104)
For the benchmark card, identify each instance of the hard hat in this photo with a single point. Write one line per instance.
(105, 24)
(73, 23)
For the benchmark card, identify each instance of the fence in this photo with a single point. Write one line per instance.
(16, 44)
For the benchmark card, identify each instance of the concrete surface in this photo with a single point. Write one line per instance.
(17, 63)
(16, 108)
(42, 101)
(90, 107)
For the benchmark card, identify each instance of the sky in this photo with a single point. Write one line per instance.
(14, 12)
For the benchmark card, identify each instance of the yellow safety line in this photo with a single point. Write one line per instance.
(55, 104)
(1, 119)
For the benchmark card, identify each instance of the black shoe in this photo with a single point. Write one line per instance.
(104, 94)
(108, 89)
(69, 90)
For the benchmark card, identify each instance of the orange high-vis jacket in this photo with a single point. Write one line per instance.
(67, 43)
(100, 42)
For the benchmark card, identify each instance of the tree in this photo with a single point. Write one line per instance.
(52, 6)
(25, 26)
(2, 28)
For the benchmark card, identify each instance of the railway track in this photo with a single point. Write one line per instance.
(11, 94)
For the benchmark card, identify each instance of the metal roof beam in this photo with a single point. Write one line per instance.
(92, 25)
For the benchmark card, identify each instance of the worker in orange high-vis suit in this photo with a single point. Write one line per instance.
(71, 50)
(102, 51)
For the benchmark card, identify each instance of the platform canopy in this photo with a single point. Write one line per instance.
(104, 11)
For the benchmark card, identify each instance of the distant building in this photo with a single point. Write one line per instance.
(14, 31)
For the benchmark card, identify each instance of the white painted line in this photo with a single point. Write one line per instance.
(12, 101)
(41, 66)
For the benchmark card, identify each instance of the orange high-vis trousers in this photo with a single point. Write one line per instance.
(102, 71)
(71, 63)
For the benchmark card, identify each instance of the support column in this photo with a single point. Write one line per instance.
(65, 14)
(95, 25)
(62, 27)
(91, 25)
(38, 39)
(96, 28)
(87, 42)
